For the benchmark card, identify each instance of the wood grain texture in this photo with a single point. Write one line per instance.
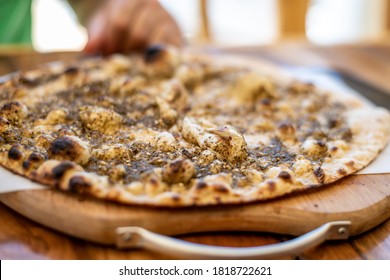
(361, 199)
(292, 18)
(371, 245)
(21, 238)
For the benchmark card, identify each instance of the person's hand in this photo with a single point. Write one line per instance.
(124, 25)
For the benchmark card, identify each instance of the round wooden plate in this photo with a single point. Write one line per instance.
(362, 199)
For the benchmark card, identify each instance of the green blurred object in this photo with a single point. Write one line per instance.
(15, 22)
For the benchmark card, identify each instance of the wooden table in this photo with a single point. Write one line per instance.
(21, 238)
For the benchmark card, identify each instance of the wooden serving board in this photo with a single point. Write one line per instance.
(362, 199)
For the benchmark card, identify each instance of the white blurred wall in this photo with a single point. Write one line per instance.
(345, 21)
(232, 22)
(55, 27)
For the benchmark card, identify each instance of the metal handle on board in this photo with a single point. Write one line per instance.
(136, 237)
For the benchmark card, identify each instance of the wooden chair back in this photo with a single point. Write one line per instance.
(291, 20)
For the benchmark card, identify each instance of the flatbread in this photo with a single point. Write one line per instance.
(173, 128)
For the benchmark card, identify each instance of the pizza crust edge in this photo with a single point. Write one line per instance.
(373, 133)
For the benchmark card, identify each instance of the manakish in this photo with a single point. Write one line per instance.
(179, 129)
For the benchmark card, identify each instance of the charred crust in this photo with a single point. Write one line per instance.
(153, 182)
(26, 164)
(347, 135)
(265, 102)
(176, 135)
(350, 164)
(14, 153)
(284, 175)
(153, 53)
(201, 185)
(321, 144)
(71, 70)
(271, 185)
(220, 189)
(28, 82)
(176, 198)
(319, 173)
(333, 121)
(61, 169)
(11, 105)
(176, 166)
(79, 185)
(186, 153)
(342, 171)
(63, 147)
(35, 157)
(286, 127)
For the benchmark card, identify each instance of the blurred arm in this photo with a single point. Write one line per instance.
(125, 25)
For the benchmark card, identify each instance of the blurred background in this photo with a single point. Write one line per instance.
(268, 21)
(236, 23)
